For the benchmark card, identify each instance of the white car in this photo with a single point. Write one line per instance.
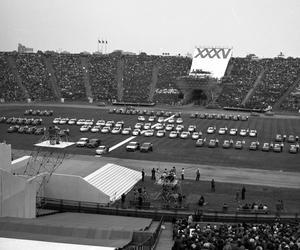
(109, 123)
(149, 132)
(184, 134)
(95, 129)
(102, 149)
(120, 123)
(72, 121)
(116, 130)
(233, 131)
(253, 133)
(222, 131)
(56, 120)
(63, 121)
(243, 132)
(192, 128)
(141, 118)
(151, 118)
(126, 131)
(105, 130)
(80, 122)
(147, 126)
(211, 130)
(160, 133)
(132, 146)
(138, 125)
(171, 120)
(89, 122)
(136, 132)
(100, 123)
(85, 128)
(159, 126)
(82, 142)
(160, 119)
(196, 135)
(179, 128)
(169, 127)
(179, 120)
(173, 134)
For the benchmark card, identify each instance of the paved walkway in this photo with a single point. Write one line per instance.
(165, 241)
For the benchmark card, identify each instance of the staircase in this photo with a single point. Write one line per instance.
(120, 86)
(51, 73)
(153, 83)
(252, 90)
(86, 77)
(286, 94)
(13, 67)
(113, 180)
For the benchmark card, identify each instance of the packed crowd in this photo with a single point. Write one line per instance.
(34, 76)
(103, 80)
(275, 236)
(241, 79)
(131, 78)
(69, 75)
(137, 78)
(9, 89)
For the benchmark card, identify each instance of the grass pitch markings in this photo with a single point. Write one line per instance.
(121, 143)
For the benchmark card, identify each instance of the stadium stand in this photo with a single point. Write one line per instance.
(248, 83)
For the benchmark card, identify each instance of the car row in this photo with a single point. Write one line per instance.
(220, 116)
(284, 138)
(132, 111)
(253, 146)
(89, 143)
(37, 112)
(134, 146)
(26, 130)
(21, 121)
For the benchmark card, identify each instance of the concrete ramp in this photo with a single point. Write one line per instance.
(114, 180)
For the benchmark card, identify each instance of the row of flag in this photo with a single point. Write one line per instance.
(102, 41)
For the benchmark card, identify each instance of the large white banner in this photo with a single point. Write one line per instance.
(213, 60)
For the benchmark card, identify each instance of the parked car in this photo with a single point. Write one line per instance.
(200, 142)
(146, 147)
(102, 149)
(213, 143)
(294, 149)
(266, 147)
(133, 146)
(82, 142)
(238, 145)
(93, 143)
(160, 133)
(254, 145)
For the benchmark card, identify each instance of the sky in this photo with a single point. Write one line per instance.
(262, 27)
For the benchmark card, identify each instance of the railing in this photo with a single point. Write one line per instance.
(156, 213)
(151, 242)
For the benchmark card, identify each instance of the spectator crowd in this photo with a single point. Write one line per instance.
(147, 78)
(275, 236)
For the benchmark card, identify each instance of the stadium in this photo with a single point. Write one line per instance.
(118, 150)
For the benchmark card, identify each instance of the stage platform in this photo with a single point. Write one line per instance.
(75, 228)
(60, 145)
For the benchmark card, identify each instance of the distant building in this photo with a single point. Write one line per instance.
(24, 49)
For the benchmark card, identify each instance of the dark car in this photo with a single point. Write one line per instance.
(200, 142)
(213, 143)
(2, 119)
(291, 139)
(39, 131)
(93, 143)
(29, 121)
(14, 120)
(254, 145)
(13, 129)
(226, 144)
(21, 121)
(266, 147)
(37, 122)
(30, 130)
(9, 120)
(22, 129)
(146, 147)
(48, 112)
(36, 112)
(64, 132)
(28, 112)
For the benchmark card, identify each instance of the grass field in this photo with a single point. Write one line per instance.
(172, 150)
(224, 193)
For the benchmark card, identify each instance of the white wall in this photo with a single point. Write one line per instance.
(5, 156)
(71, 187)
(17, 196)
